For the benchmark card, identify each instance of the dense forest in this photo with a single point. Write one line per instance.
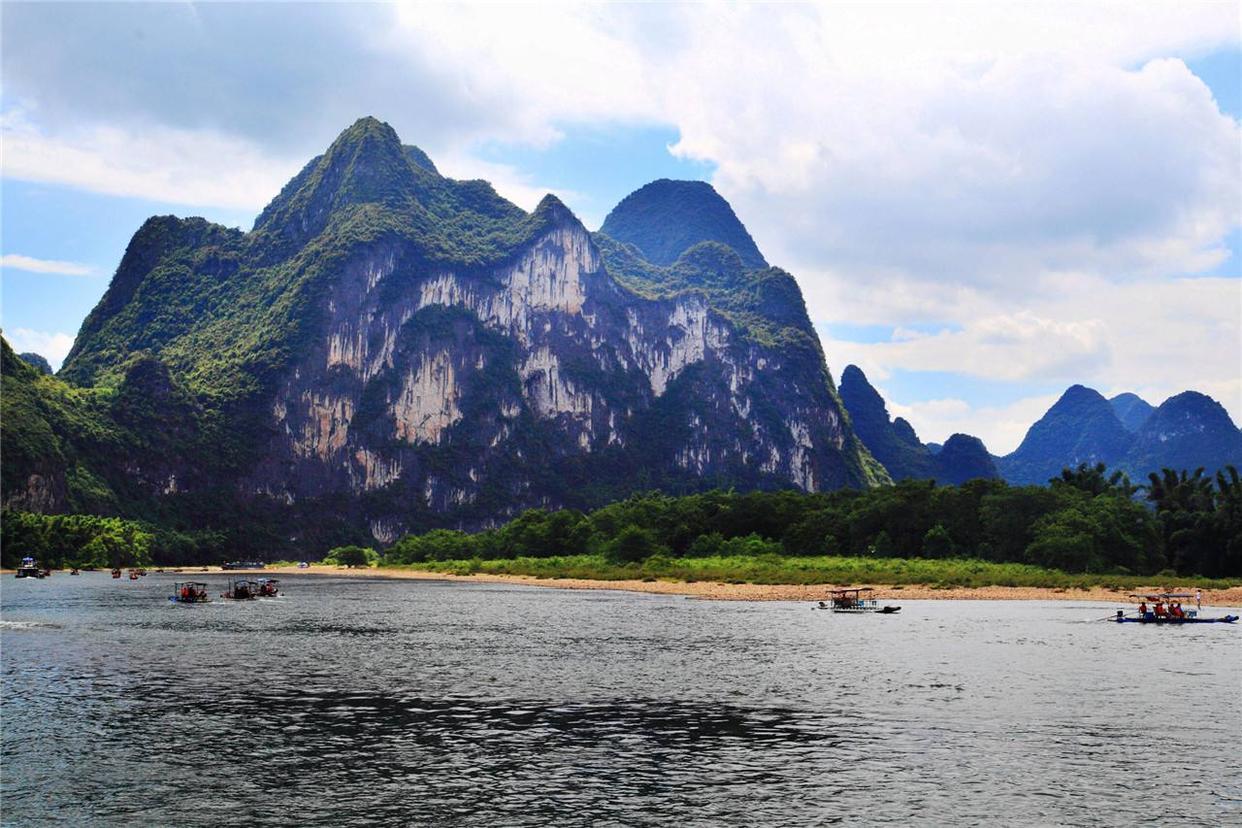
(1085, 521)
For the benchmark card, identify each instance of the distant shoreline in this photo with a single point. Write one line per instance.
(717, 591)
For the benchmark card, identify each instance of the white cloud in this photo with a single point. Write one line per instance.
(192, 167)
(1155, 339)
(53, 347)
(16, 261)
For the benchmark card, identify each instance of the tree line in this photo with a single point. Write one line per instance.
(1086, 520)
(74, 540)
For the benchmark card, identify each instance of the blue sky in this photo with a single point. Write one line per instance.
(982, 205)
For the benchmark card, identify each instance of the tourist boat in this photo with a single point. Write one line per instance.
(189, 592)
(74, 571)
(116, 573)
(1147, 614)
(133, 574)
(268, 587)
(855, 601)
(241, 589)
(29, 569)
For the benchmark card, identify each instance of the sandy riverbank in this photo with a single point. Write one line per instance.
(773, 592)
(715, 591)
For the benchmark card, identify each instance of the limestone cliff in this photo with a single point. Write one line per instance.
(390, 349)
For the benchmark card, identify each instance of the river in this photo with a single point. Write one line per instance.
(359, 701)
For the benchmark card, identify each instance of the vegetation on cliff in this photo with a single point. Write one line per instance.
(666, 218)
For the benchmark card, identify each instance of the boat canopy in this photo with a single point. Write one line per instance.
(851, 591)
(1163, 596)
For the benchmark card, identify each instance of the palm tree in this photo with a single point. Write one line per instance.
(1093, 480)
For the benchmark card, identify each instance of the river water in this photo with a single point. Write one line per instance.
(358, 701)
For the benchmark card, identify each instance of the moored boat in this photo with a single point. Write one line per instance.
(856, 600)
(1166, 609)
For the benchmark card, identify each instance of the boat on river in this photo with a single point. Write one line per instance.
(856, 600)
(241, 589)
(269, 587)
(30, 569)
(189, 592)
(1157, 613)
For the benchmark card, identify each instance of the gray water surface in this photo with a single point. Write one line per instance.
(356, 701)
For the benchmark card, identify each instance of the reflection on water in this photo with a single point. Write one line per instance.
(357, 702)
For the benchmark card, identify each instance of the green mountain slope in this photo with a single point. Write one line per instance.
(1132, 410)
(1081, 427)
(1186, 431)
(666, 218)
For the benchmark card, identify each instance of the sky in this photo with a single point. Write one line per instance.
(982, 203)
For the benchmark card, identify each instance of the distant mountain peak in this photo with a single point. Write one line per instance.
(36, 361)
(666, 218)
(897, 448)
(855, 383)
(964, 457)
(1131, 409)
(1186, 431)
(896, 444)
(1080, 427)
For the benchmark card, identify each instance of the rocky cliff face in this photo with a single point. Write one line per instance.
(415, 351)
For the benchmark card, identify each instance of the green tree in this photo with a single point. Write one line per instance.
(1095, 480)
(883, 546)
(351, 556)
(937, 543)
(633, 544)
